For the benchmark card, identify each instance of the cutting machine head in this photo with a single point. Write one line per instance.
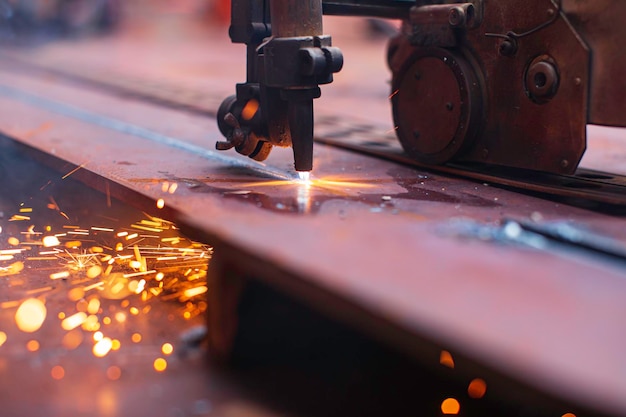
(506, 82)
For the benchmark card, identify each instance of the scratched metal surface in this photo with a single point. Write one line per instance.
(364, 238)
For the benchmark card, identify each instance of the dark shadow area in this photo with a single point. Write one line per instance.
(308, 365)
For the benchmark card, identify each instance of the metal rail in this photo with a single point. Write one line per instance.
(585, 185)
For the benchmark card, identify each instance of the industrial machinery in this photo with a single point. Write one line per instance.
(510, 83)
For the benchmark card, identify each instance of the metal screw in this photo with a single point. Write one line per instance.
(564, 163)
(550, 12)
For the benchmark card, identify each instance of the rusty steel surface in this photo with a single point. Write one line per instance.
(600, 25)
(363, 241)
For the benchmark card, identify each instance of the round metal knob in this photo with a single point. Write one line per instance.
(542, 79)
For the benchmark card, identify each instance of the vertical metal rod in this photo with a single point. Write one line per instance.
(293, 18)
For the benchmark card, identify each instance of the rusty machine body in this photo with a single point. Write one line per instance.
(510, 83)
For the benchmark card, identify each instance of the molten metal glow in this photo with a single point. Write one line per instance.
(57, 372)
(30, 315)
(450, 406)
(477, 388)
(304, 176)
(160, 365)
(97, 266)
(72, 339)
(250, 109)
(445, 358)
(60, 275)
(74, 321)
(114, 373)
(13, 269)
(167, 348)
(51, 241)
(192, 292)
(120, 317)
(76, 294)
(91, 323)
(32, 346)
(339, 185)
(102, 347)
(94, 271)
(307, 185)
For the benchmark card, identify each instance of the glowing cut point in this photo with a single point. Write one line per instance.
(304, 176)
